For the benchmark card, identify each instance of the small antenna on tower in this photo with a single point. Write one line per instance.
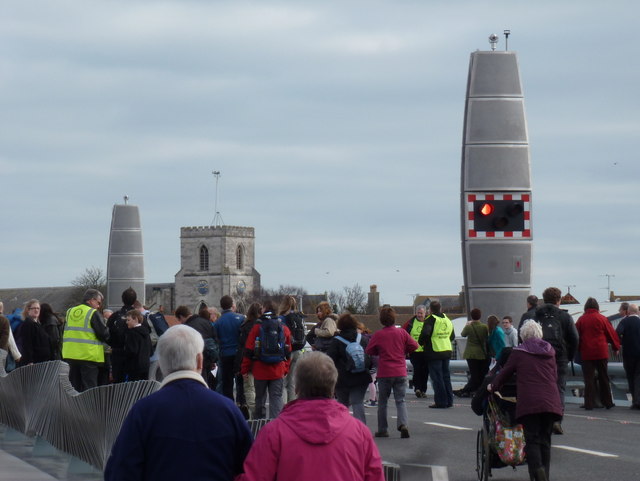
(126, 199)
(506, 40)
(217, 219)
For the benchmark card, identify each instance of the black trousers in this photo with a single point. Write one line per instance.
(478, 369)
(83, 375)
(537, 435)
(632, 369)
(593, 389)
(227, 375)
(118, 359)
(420, 365)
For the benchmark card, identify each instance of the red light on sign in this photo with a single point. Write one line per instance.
(486, 209)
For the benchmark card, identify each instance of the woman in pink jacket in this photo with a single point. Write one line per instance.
(596, 333)
(314, 438)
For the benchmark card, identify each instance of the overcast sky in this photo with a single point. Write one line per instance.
(336, 125)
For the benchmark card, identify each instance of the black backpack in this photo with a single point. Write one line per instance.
(211, 351)
(551, 329)
(295, 323)
(270, 346)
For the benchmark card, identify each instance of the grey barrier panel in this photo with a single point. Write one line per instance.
(256, 425)
(38, 400)
(391, 471)
(423, 472)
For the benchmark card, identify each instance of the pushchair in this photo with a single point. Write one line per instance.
(500, 441)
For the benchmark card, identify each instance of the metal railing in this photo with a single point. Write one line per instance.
(38, 400)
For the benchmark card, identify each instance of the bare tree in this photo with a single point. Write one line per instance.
(352, 299)
(337, 301)
(355, 299)
(91, 278)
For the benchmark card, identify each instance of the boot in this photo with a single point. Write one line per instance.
(540, 474)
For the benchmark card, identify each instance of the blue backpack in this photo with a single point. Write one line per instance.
(270, 346)
(356, 360)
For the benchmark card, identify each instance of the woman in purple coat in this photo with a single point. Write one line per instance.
(538, 405)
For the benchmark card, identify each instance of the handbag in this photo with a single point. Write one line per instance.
(508, 440)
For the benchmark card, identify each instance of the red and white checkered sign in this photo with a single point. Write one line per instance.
(523, 234)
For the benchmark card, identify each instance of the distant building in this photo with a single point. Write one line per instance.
(214, 261)
(450, 304)
(613, 297)
(567, 299)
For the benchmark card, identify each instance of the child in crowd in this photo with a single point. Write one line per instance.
(137, 346)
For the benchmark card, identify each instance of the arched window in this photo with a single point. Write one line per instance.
(201, 305)
(240, 257)
(204, 258)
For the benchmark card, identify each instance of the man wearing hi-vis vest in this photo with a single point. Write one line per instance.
(436, 338)
(82, 342)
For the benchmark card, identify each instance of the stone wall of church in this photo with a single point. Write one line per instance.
(226, 267)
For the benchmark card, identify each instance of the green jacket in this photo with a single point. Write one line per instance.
(477, 334)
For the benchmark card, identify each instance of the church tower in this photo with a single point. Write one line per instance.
(215, 261)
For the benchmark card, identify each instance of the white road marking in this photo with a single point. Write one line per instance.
(459, 428)
(586, 451)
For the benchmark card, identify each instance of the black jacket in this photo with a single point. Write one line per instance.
(338, 352)
(33, 342)
(117, 325)
(566, 341)
(54, 329)
(245, 329)
(137, 346)
(201, 325)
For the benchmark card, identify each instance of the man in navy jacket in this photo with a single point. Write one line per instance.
(184, 430)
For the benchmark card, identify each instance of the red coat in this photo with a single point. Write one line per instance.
(260, 370)
(596, 332)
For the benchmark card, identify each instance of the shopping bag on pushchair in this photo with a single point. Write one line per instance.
(508, 439)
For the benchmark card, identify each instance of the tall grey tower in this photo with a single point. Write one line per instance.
(215, 261)
(496, 187)
(125, 264)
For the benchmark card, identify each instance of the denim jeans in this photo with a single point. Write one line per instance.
(399, 387)
(354, 397)
(441, 382)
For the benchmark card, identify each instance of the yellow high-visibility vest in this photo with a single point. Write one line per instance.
(79, 341)
(441, 336)
(416, 329)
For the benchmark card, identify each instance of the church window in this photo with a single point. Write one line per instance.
(240, 257)
(204, 258)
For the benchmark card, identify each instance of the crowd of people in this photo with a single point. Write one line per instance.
(259, 357)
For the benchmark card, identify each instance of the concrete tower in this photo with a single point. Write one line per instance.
(496, 187)
(125, 263)
(215, 260)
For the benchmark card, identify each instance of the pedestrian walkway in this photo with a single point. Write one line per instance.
(14, 469)
(33, 459)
